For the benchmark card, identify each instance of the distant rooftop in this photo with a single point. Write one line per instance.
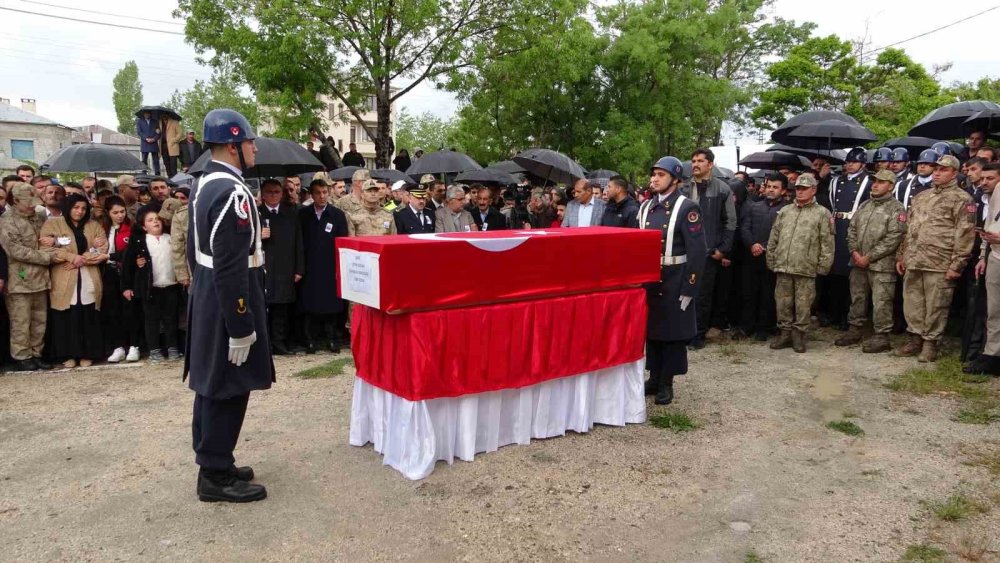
(11, 114)
(102, 134)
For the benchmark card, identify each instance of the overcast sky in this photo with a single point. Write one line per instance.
(67, 66)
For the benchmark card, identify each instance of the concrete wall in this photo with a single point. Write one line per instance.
(47, 138)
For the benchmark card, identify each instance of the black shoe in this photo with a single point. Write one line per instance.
(41, 364)
(665, 395)
(697, 343)
(24, 365)
(344, 343)
(333, 347)
(225, 487)
(651, 387)
(825, 321)
(243, 473)
(310, 349)
(279, 349)
(761, 336)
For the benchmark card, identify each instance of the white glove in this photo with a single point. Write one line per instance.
(685, 301)
(239, 348)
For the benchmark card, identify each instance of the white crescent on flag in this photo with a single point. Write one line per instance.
(497, 244)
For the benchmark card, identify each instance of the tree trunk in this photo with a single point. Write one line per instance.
(384, 145)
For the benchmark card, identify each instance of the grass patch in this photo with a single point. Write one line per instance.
(676, 421)
(943, 378)
(735, 353)
(752, 557)
(924, 553)
(329, 369)
(979, 412)
(846, 427)
(955, 508)
(986, 458)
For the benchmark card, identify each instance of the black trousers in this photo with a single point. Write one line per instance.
(215, 429)
(321, 327)
(156, 161)
(974, 319)
(279, 318)
(171, 164)
(759, 308)
(162, 308)
(706, 294)
(721, 314)
(666, 359)
(838, 298)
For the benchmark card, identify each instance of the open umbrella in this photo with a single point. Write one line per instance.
(275, 158)
(92, 157)
(948, 122)
(157, 111)
(181, 179)
(508, 166)
(550, 165)
(835, 156)
(343, 173)
(829, 134)
(987, 121)
(391, 175)
(491, 176)
(601, 173)
(913, 145)
(781, 133)
(442, 162)
(776, 160)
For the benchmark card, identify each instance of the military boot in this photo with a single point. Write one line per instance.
(852, 337)
(798, 341)
(877, 343)
(784, 340)
(928, 353)
(652, 385)
(665, 393)
(911, 348)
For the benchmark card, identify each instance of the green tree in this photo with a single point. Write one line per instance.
(127, 96)
(983, 89)
(290, 52)
(221, 91)
(425, 130)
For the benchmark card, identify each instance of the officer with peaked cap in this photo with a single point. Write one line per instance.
(672, 320)
(414, 217)
(847, 192)
(228, 354)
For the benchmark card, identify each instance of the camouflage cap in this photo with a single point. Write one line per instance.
(949, 161)
(126, 180)
(22, 191)
(369, 184)
(322, 176)
(806, 181)
(886, 176)
(428, 179)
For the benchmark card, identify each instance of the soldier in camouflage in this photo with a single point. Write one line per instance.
(800, 248)
(932, 256)
(351, 202)
(371, 218)
(873, 238)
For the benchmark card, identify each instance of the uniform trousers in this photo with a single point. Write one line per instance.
(216, 429)
(926, 299)
(28, 317)
(882, 287)
(794, 296)
(992, 308)
(974, 320)
(666, 359)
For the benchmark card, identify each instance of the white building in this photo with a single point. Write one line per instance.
(338, 122)
(26, 136)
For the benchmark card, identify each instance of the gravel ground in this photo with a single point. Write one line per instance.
(95, 464)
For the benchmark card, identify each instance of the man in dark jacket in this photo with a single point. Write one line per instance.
(190, 151)
(353, 157)
(486, 216)
(758, 282)
(148, 131)
(283, 259)
(718, 213)
(621, 210)
(414, 217)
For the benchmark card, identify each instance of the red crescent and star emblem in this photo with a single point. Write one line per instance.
(970, 209)
(901, 218)
(693, 217)
(234, 130)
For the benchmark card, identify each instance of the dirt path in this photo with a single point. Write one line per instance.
(96, 465)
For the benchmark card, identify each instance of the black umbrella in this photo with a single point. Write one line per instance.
(489, 175)
(913, 145)
(601, 173)
(182, 178)
(948, 122)
(275, 158)
(343, 173)
(157, 111)
(442, 162)
(835, 156)
(391, 175)
(776, 160)
(92, 157)
(829, 134)
(717, 171)
(781, 133)
(508, 166)
(987, 121)
(550, 165)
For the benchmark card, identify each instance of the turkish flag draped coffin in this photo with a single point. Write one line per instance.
(455, 352)
(396, 274)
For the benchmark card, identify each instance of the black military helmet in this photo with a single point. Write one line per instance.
(928, 156)
(882, 154)
(671, 165)
(941, 148)
(857, 154)
(900, 154)
(226, 126)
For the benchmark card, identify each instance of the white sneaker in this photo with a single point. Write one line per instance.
(117, 356)
(133, 354)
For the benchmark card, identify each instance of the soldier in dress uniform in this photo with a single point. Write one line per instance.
(672, 320)
(899, 164)
(882, 158)
(847, 192)
(371, 219)
(228, 353)
(415, 217)
(907, 189)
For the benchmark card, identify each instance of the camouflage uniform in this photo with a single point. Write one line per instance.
(941, 233)
(366, 222)
(349, 204)
(27, 278)
(178, 244)
(875, 232)
(800, 248)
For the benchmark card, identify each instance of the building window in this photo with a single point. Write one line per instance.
(22, 150)
(341, 112)
(372, 103)
(354, 134)
(330, 112)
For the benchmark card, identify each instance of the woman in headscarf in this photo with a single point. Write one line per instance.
(75, 295)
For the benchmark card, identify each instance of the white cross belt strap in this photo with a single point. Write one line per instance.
(241, 199)
(857, 197)
(667, 259)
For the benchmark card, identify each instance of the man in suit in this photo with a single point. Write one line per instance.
(585, 210)
(436, 189)
(190, 151)
(451, 218)
(759, 313)
(284, 260)
(486, 216)
(415, 217)
(148, 131)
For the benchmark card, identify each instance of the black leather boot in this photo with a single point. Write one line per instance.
(243, 473)
(224, 486)
(665, 393)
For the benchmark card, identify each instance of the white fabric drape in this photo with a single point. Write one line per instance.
(413, 436)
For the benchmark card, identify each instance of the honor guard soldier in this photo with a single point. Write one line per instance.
(882, 158)
(908, 189)
(415, 217)
(672, 320)
(847, 192)
(933, 254)
(873, 238)
(900, 164)
(228, 354)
